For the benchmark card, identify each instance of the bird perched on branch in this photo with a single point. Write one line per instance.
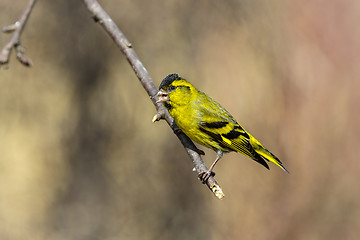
(206, 122)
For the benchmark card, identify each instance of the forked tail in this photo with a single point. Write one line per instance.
(266, 154)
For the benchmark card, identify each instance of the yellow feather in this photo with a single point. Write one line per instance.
(206, 122)
(227, 141)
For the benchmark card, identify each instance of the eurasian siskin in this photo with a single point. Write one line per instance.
(206, 122)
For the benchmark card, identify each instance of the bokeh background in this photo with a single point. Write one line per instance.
(80, 158)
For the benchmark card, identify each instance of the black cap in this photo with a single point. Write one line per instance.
(169, 79)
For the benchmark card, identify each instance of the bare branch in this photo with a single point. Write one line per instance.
(14, 42)
(100, 16)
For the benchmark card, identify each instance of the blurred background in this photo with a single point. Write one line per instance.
(81, 159)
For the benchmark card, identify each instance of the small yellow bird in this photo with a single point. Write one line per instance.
(206, 122)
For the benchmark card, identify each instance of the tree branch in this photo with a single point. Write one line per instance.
(100, 16)
(14, 42)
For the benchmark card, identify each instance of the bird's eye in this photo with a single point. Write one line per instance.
(172, 88)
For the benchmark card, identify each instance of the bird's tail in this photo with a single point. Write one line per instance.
(266, 154)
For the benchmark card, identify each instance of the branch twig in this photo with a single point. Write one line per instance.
(100, 16)
(14, 42)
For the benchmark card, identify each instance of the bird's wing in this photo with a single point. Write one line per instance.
(226, 131)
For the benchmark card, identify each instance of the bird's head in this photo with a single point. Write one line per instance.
(174, 91)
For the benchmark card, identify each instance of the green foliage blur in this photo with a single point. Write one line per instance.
(80, 158)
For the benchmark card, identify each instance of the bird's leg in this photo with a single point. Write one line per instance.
(204, 176)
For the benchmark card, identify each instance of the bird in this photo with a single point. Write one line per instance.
(206, 122)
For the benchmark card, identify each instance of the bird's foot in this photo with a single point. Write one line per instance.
(204, 176)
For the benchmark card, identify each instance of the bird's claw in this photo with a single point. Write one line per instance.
(204, 176)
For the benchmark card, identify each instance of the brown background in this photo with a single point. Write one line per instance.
(80, 158)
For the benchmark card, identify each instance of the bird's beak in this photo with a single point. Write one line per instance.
(162, 96)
